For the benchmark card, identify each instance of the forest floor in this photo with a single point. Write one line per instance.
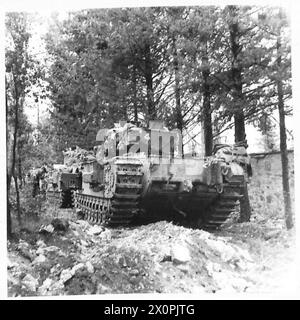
(76, 257)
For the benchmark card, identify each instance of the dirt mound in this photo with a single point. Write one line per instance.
(160, 257)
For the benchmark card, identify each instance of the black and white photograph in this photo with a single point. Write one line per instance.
(150, 150)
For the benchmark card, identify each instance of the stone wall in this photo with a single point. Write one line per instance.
(265, 188)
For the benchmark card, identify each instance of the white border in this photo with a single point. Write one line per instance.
(57, 5)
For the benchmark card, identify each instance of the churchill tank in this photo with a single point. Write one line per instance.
(140, 174)
(61, 182)
(63, 179)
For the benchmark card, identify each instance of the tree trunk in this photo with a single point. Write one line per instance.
(12, 153)
(179, 118)
(236, 72)
(20, 176)
(135, 104)
(18, 200)
(8, 177)
(8, 213)
(239, 127)
(283, 148)
(12, 163)
(245, 208)
(238, 112)
(207, 121)
(149, 83)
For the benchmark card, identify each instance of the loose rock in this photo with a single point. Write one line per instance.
(95, 230)
(79, 214)
(83, 243)
(272, 234)
(180, 254)
(44, 288)
(78, 267)
(105, 235)
(66, 275)
(102, 289)
(55, 270)
(134, 272)
(46, 229)
(51, 249)
(39, 259)
(83, 224)
(10, 264)
(60, 224)
(41, 244)
(30, 282)
(89, 267)
(25, 251)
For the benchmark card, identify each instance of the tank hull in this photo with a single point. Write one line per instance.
(60, 188)
(141, 188)
(142, 174)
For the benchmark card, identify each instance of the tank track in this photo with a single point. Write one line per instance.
(222, 207)
(119, 205)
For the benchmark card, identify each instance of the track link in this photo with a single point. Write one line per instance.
(222, 207)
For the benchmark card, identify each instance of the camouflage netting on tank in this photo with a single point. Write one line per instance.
(77, 156)
(236, 153)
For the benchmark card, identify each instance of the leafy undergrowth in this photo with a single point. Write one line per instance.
(161, 257)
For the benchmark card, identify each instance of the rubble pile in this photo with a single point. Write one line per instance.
(75, 257)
